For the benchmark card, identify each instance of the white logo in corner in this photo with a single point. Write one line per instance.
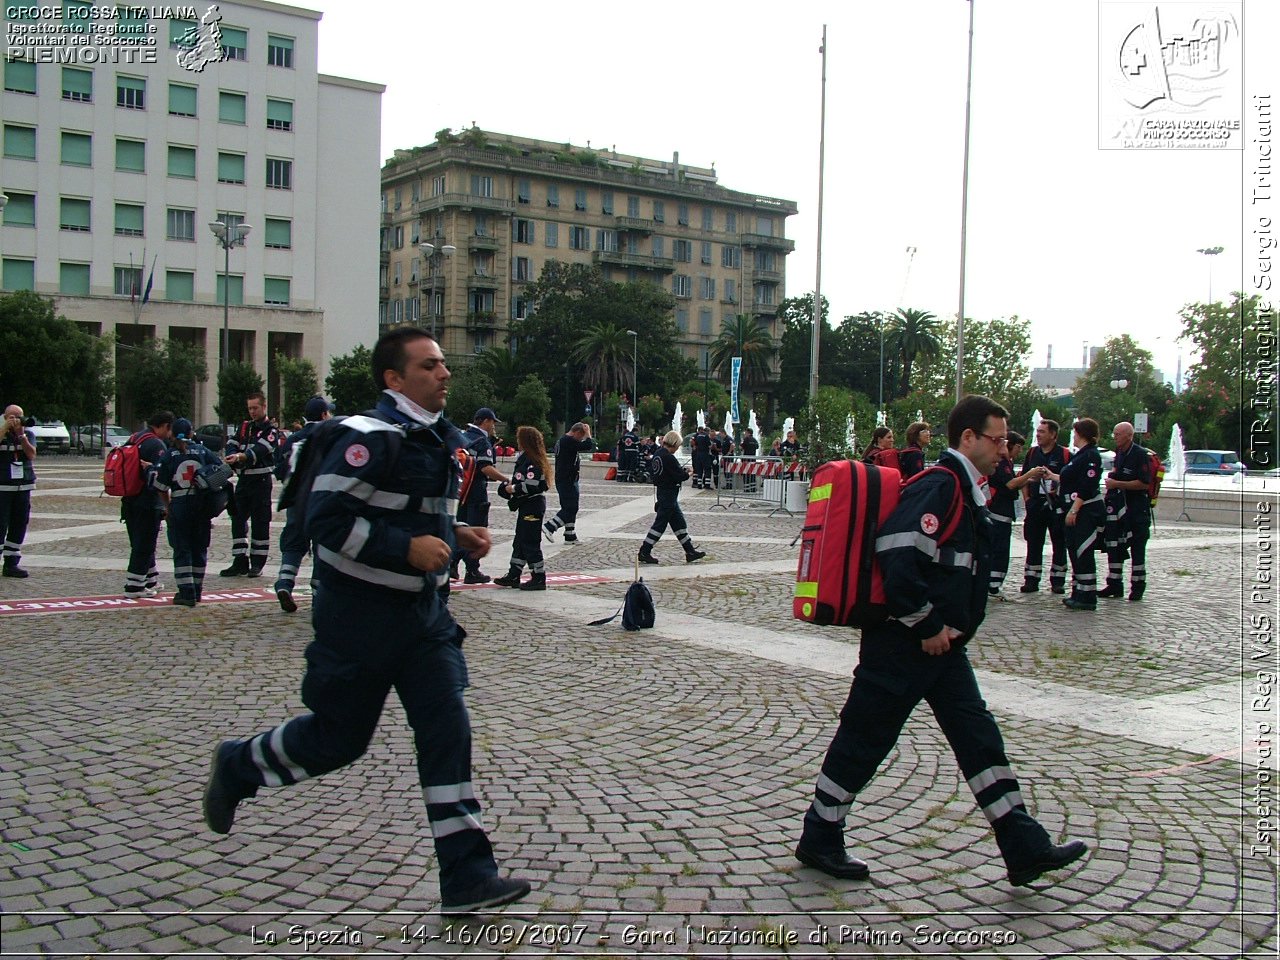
(202, 45)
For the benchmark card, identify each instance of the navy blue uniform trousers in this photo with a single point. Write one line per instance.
(189, 530)
(362, 651)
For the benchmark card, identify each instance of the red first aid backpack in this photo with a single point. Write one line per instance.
(1157, 478)
(122, 472)
(837, 580)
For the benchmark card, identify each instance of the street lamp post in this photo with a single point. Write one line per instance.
(228, 237)
(1210, 252)
(635, 383)
(434, 254)
(880, 324)
(964, 212)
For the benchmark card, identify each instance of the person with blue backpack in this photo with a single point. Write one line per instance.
(142, 512)
(190, 509)
(936, 588)
(294, 544)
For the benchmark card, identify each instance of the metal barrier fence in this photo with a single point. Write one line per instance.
(762, 481)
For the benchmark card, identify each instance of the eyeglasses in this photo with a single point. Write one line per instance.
(996, 440)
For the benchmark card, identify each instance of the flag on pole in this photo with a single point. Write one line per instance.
(146, 294)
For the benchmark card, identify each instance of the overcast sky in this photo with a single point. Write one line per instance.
(1086, 243)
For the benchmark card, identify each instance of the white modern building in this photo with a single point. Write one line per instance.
(116, 161)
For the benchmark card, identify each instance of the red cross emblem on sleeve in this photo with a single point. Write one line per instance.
(929, 524)
(357, 455)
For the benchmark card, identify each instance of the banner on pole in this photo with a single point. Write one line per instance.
(733, 395)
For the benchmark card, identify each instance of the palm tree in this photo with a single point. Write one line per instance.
(605, 353)
(745, 337)
(915, 336)
(501, 367)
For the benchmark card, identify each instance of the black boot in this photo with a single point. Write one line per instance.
(1113, 591)
(239, 568)
(537, 581)
(512, 579)
(1136, 590)
(1029, 586)
(13, 570)
(646, 554)
(693, 554)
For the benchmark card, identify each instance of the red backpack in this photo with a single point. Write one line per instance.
(838, 580)
(122, 474)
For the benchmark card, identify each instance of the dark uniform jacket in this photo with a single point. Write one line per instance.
(528, 483)
(1038, 494)
(750, 446)
(1082, 480)
(368, 502)
(176, 471)
(478, 441)
(152, 450)
(700, 444)
(1133, 464)
(258, 440)
(665, 470)
(929, 584)
(566, 453)
(911, 461)
(292, 442)
(17, 473)
(1002, 497)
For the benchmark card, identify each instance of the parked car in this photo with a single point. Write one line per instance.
(89, 438)
(1217, 462)
(51, 435)
(215, 435)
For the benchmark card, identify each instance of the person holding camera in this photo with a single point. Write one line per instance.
(17, 480)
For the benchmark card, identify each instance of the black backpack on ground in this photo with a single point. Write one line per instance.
(638, 611)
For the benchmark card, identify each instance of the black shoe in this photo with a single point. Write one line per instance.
(838, 864)
(13, 570)
(570, 538)
(453, 573)
(1029, 588)
(512, 579)
(1112, 593)
(491, 892)
(239, 568)
(255, 570)
(1055, 858)
(476, 577)
(1135, 593)
(1057, 589)
(646, 556)
(219, 798)
(1074, 603)
(287, 603)
(536, 582)
(549, 532)
(692, 556)
(184, 600)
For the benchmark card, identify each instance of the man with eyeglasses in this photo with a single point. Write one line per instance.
(936, 587)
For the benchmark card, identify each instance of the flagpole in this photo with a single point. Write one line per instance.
(964, 215)
(815, 342)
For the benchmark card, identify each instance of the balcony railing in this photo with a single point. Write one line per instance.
(481, 281)
(634, 224)
(767, 276)
(484, 243)
(465, 201)
(641, 261)
(770, 243)
(483, 320)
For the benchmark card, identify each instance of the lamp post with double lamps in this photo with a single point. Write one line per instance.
(433, 252)
(635, 383)
(228, 237)
(1210, 252)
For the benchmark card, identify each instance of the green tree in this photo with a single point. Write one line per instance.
(604, 353)
(823, 426)
(796, 316)
(915, 335)
(236, 381)
(995, 359)
(530, 405)
(743, 336)
(162, 375)
(48, 365)
(298, 384)
(857, 361)
(504, 372)
(650, 412)
(350, 383)
(1121, 359)
(469, 389)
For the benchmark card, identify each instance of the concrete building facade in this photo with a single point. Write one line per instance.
(507, 205)
(114, 167)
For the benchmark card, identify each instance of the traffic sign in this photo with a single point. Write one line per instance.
(588, 394)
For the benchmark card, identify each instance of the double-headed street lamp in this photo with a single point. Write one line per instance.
(434, 253)
(1210, 252)
(228, 237)
(635, 384)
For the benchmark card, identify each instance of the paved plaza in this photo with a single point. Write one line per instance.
(650, 784)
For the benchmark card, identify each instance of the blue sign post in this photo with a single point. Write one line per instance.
(733, 391)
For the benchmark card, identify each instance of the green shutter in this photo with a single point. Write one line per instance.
(73, 279)
(278, 233)
(18, 275)
(280, 114)
(234, 39)
(20, 142)
(131, 155)
(20, 76)
(77, 84)
(77, 149)
(231, 107)
(182, 161)
(236, 287)
(131, 83)
(275, 290)
(181, 32)
(182, 100)
(129, 219)
(231, 167)
(21, 210)
(74, 214)
(179, 285)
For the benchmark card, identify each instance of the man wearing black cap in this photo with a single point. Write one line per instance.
(294, 544)
(190, 522)
(143, 512)
(474, 509)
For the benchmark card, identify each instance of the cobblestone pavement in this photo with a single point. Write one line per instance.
(650, 785)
